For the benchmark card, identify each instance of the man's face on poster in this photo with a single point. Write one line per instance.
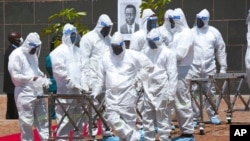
(130, 15)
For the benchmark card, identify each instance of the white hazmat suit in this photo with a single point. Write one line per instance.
(160, 88)
(148, 15)
(94, 44)
(29, 81)
(165, 29)
(208, 46)
(182, 44)
(138, 44)
(119, 71)
(69, 72)
(167, 37)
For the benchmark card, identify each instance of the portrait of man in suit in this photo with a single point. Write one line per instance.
(130, 26)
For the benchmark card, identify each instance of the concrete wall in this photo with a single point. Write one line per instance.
(31, 15)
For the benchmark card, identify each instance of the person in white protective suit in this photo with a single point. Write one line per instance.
(149, 21)
(95, 43)
(119, 72)
(167, 37)
(165, 29)
(247, 56)
(182, 44)
(69, 72)
(29, 81)
(137, 44)
(208, 46)
(160, 88)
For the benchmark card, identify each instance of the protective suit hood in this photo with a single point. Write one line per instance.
(248, 17)
(103, 21)
(248, 21)
(138, 42)
(117, 40)
(155, 37)
(166, 19)
(68, 29)
(32, 40)
(145, 15)
(179, 19)
(204, 16)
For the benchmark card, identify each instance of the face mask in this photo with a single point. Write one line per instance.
(200, 23)
(73, 37)
(21, 41)
(152, 23)
(18, 42)
(172, 23)
(33, 51)
(33, 48)
(151, 44)
(105, 31)
(117, 49)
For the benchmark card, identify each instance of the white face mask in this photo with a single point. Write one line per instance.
(21, 41)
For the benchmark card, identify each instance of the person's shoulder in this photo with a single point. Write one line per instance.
(89, 36)
(16, 52)
(9, 50)
(57, 50)
(213, 29)
(134, 53)
(106, 57)
(187, 31)
(123, 28)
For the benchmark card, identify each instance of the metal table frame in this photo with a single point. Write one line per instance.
(53, 99)
(223, 93)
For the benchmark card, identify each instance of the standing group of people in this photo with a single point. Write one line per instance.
(160, 63)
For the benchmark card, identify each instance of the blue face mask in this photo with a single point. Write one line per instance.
(73, 37)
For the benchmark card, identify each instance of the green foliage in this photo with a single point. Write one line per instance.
(158, 6)
(68, 15)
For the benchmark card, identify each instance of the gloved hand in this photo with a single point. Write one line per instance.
(71, 84)
(37, 81)
(79, 87)
(46, 82)
(85, 88)
(93, 95)
(222, 71)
